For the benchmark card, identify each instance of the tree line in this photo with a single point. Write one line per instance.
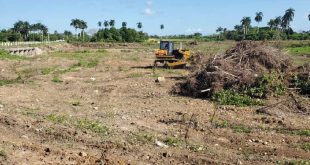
(277, 28)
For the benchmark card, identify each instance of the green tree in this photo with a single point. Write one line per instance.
(124, 24)
(162, 27)
(23, 28)
(139, 25)
(288, 18)
(83, 26)
(76, 24)
(245, 22)
(309, 17)
(112, 23)
(99, 24)
(219, 30)
(271, 24)
(106, 24)
(258, 18)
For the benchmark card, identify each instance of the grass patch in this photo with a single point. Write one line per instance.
(30, 112)
(229, 97)
(57, 79)
(86, 58)
(142, 137)
(135, 75)
(3, 154)
(46, 71)
(218, 123)
(305, 132)
(75, 103)
(132, 57)
(6, 55)
(7, 82)
(91, 125)
(297, 51)
(305, 146)
(83, 124)
(241, 129)
(197, 148)
(171, 141)
(58, 119)
(297, 162)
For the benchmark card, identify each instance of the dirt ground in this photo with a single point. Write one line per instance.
(103, 106)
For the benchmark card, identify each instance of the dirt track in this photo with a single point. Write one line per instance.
(114, 113)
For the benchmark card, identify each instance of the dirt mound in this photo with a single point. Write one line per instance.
(238, 67)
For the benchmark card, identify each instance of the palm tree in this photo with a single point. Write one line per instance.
(106, 24)
(162, 27)
(83, 26)
(245, 22)
(258, 18)
(288, 18)
(219, 30)
(75, 23)
(277, 22)
(112, 23)
(124, 24)
(99, 24)
(23, 28)
(139, 25)
(271, 24)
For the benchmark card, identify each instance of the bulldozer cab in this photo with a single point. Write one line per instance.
(167, 45)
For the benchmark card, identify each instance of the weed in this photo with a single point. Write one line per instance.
(56, 79)
(6, 55)
(171, 141)
(59, 119)
(46, 71)
(144, 137)
(3, 153)
(267, 84)
(7, 82)
(298, 132)
(197, 148)
(30, 112)
(75, 103)
(306, 146)
(135, 75)
(297, 162)
(299, 50)
(229, 97)
(94, 126)
(241, 129)
(217, 123)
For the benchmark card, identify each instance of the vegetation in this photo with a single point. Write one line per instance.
(230, 97)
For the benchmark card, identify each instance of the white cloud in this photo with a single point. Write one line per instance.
(149, 8)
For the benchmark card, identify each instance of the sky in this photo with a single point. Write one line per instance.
(178, 16)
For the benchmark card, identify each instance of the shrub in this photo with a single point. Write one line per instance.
(229, 97)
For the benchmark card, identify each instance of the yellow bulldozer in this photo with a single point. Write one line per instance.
(170, 57)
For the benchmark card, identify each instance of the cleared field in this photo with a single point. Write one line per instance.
(101, 104)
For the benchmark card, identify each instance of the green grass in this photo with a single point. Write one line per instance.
(218, 123)
(306, 146)
(297, 162)
(6, 55)
(3, 153)
(171, 141)
(299, 50)
(83, 124)
(46, 71)
(91, 125)
(12, 81)
(229, 97)
(59, 119)
(85, 58)
(299, 132)
(241, 129)
(57, 79)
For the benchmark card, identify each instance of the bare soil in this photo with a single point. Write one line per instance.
(115, 113)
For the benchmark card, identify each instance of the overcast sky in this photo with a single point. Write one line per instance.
(178, 16)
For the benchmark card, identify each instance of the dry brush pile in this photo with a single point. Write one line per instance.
(250, 68)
